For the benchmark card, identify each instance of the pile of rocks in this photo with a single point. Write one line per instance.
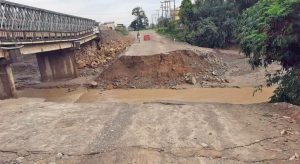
(95, 55)
(164, 70)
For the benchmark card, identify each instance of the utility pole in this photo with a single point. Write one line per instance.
(174, 12)
(158, 13)
(168, 8)
(162, 10)
(165, 5)
(152, 19)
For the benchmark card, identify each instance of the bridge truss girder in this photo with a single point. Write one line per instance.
(20, 22)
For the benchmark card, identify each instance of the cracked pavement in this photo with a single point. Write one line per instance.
(35, 131)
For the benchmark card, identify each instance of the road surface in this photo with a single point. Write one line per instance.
(32, 130)
(158, 44)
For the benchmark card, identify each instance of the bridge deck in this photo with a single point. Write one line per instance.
(34, 30)
(46, 46)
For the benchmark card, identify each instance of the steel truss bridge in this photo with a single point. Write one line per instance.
(20, 24)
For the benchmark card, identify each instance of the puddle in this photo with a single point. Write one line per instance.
(206, 95)
(53, 95)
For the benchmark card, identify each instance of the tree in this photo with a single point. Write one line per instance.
(185, 11)
(243, 4)
(141, 21)
(212, 23)
(270, 32)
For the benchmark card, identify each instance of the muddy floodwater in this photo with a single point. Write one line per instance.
(216, 95)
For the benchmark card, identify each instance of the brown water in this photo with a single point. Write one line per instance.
(216, 95)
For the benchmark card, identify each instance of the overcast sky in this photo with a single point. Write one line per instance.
(99, 10)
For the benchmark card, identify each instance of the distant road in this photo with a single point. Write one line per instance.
(158, 44)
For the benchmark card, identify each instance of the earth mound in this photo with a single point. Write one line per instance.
(160, 71)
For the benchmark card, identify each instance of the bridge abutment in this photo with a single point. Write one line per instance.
(7, 84)
(56, 65)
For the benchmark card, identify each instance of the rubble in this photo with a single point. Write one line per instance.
(96, 55)
(166, 70)
(294, 157)
(190, 79)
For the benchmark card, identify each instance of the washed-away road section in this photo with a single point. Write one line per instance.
(159, 132)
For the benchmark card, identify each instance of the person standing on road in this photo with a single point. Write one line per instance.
(138, 36)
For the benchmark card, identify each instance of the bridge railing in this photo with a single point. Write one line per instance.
(19, 23)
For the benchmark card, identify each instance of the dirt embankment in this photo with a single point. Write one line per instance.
(165, 70)
(98, 54)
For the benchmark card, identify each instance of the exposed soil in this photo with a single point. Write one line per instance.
(160, 71)
(291, 111)
(34, 131)
(95, 55)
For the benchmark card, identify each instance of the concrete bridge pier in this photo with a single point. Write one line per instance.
(7, 84)
(56, 65)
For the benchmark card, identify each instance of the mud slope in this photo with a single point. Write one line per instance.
(156, 71)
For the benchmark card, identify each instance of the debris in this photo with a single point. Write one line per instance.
(157, 71)
(95, 56)
(94, 84)
(277, 150)
(81, 64)
(294, 157)
(204, 145)
(289, 119)
(23, 153)
(20, 159)
(214, 73)
(286, 132)
(94, 64)
(286, 117)
(193, 80)
(59, 156)
(190, 79)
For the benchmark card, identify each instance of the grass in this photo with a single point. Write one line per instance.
(172, 33)
(123, 31)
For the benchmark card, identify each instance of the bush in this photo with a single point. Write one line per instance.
(171, 29)
(211, 23)
(122, 30)
(206, 35)
(270, 31)
(289, 90)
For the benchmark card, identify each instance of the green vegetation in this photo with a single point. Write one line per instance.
(206, 23)
(212, 23)
(122, 30)
(186, 12)
(268, 32)
(170, 30)
(141, 21)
